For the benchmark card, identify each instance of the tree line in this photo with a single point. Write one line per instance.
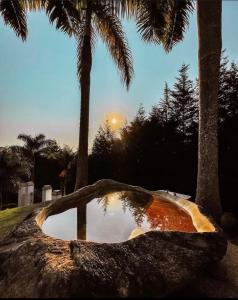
(156, 150)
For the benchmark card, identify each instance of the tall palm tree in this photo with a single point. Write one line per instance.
(66, 156)
(85, 20)
(209, 56)
(97, 18)
(14, 15)
(33, 147)
(165, 22)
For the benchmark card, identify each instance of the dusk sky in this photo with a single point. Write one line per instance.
(39, 90)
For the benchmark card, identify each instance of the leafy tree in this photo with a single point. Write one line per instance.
(13, 170)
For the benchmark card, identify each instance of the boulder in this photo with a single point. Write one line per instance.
(155, 263)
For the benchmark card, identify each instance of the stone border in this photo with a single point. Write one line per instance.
(105, 186)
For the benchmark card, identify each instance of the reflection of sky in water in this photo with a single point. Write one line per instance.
(63, 226)
(112, 218)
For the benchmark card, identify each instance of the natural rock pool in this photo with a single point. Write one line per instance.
(117, 217)
(111, 257)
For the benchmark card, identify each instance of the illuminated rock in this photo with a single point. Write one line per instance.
(155, 263)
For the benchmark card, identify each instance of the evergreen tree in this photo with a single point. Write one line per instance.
(103, 142)
(183, 101)
(165, 104)
(223, 89)
(102, 157)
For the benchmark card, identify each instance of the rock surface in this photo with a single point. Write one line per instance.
(152, 264)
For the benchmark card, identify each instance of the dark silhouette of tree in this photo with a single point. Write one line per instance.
(34, 147)
(165, 104)
(183, 107)
(228, 128)
(13, 170)
(104, 153)
(65, 157)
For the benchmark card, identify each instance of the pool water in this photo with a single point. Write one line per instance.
(118, 217)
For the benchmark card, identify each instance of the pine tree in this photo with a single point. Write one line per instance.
(223, 89)
(104, 140)
(183, 101)
(165, 104)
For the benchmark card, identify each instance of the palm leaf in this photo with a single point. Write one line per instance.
(110, 30)
(34, 5)
(14, 15)
(27, 139)
(151, 20)
(84, 30)
(177, 21)
(64, 14)
(125, 8)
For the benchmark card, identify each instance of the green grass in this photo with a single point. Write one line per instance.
(13, 216)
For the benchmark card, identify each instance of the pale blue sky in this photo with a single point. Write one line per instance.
(39, 90)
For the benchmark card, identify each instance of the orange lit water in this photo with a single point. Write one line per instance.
(118, 217)
(165, 215)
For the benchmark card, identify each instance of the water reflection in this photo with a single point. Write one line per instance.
(81, 222)
(118, 217)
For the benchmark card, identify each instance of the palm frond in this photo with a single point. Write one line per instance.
(151, 20)
(177, 20)
(14, 15)
(84, 31)
(64, 14)
(34, 5)
(124, 8)
(27, 139)
(110, 30)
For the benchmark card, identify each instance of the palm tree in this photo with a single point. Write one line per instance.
(13, 171)
(210, 45)
(165, 22)
(65, 156)
(97, 18)
(14, 15)
(33, 147)
(85, 20)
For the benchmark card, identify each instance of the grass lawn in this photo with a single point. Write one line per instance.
(13, 216)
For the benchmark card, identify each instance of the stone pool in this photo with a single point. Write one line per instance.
(117, 217)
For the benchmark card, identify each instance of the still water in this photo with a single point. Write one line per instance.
(118, 217)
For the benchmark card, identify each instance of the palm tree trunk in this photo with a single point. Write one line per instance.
(33, 169)
(210, 44)
(86, 57)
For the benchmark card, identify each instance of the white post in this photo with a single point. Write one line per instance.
(46, 193)
(26, 193)
(56, 194)
(21, 194)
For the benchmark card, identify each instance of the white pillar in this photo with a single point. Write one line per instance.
(46, 193)
(21, 194)
(56, 194)
(26, 193)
